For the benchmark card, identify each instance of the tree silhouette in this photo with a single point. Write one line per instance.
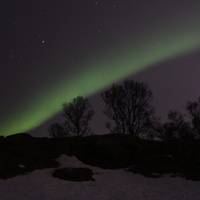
(77, 115)
(193, 108)
(128, 106)
(56, 130)
(176, 127)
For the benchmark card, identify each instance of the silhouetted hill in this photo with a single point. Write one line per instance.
(21, 153)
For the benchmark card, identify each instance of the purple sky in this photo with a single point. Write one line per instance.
(38, 35)
(173, 84)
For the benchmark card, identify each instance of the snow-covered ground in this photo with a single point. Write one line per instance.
(109, 185)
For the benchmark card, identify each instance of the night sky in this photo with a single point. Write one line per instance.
(53, 51)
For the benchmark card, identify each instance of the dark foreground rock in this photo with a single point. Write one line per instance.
(74, 174)
(20, 154)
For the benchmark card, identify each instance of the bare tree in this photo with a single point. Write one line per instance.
(77, 115)
(56, 130)
(193, 108)
(177, 127)
(128, 106)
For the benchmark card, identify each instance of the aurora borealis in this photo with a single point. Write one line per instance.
(109, 47)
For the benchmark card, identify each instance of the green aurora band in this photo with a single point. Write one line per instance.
(101, 73)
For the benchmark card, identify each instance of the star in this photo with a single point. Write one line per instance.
(43, 41)
(99, 30)
(11, 56)
(98, 3)
(115, 4)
